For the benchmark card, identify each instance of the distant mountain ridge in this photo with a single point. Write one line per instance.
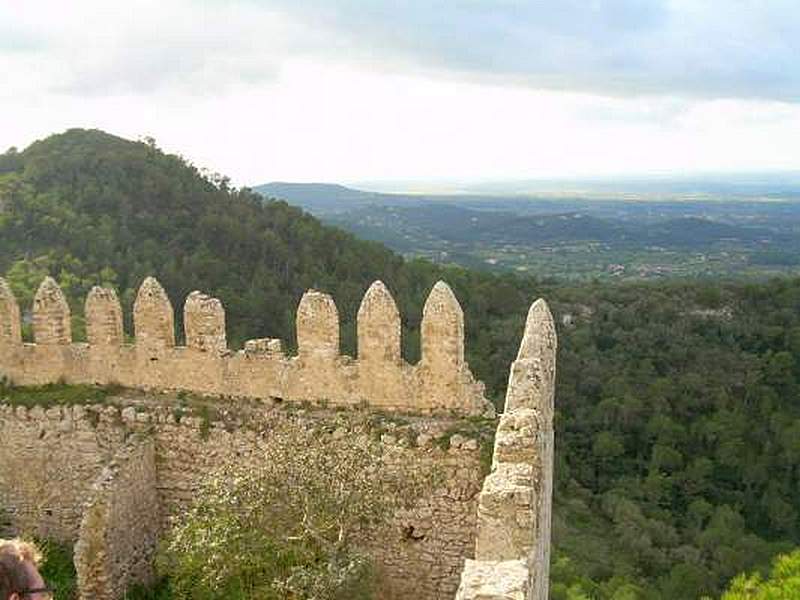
(488, 219)
(319, 196)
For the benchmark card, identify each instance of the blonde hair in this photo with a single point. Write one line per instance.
(13, 574)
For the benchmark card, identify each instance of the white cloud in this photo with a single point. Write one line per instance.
(357, 90)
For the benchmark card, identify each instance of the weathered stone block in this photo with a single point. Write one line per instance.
(506, 519)
(204, 322)
(317, 326)
(517, 436)
(442, 331)
(153, 318)
(494, 580)
(266, 346)
(120, 527)
(531, 382)
(103, 318)
(378, 326)
(51, 315)
(10, 324)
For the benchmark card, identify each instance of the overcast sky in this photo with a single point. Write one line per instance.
(355, 90)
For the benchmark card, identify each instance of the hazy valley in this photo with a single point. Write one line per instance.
(638, 230)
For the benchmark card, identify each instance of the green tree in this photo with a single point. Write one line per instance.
(783, 582)
(289, 527)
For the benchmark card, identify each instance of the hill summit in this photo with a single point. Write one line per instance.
(89, 208)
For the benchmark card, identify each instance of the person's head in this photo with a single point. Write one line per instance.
(19, 573)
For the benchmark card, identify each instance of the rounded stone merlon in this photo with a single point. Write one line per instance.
(442, 329)
(204, 323)
(51, 315)
(539, 338)
(10, 322)
(378, 324)
(531, 381)
(153, 317)
(103, 317)
(317, 325)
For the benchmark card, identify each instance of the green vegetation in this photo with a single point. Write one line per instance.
(58, 569)
(677, 423)
(54, 394)
(289, 527)
(677, 429)
(783, 582)
(572, 238)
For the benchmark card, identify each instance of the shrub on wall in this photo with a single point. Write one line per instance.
(290, 526)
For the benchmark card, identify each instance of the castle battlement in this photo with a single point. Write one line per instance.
(94, 484)
(441, 381)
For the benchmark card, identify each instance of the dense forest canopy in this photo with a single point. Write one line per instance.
(678, 421)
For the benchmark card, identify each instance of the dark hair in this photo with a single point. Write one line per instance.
(14, 576)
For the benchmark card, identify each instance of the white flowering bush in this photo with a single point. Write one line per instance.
(287, 528)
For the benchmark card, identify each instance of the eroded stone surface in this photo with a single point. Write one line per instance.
(532, 379)
(103, 317)
(515, 504)
(10, 324)
(506, 516)
(441, 383)
(51, 315)
(516, 438)
(442, 330)
(120, 527)
(378, 326)
(263, 346)
(54, 461)
(153, 318)
(494, 580)
(204, 321)
(317, 326)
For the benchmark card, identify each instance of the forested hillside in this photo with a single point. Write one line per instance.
(678, 417)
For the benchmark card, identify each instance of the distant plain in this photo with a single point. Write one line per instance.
(724, 226)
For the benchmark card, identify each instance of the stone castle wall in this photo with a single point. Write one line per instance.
(120, 528)
(512, 550)
(49, 460)
(102, 476)
(75, 472)
(440, 383)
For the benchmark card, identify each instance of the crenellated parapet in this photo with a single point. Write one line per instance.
(512, 548)
(379, 377)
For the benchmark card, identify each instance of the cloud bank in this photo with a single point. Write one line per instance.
(694, 48)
